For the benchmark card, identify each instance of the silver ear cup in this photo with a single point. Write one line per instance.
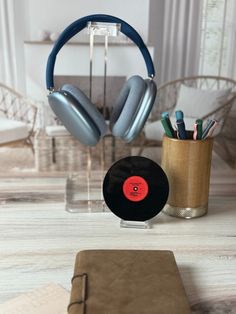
(84, 102)
(142, 112)
(74, 117)
(126, 104)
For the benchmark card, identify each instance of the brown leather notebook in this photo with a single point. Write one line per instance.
(127, 282)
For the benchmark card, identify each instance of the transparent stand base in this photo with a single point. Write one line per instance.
(135, 224)
(84, 194)
(85, 206)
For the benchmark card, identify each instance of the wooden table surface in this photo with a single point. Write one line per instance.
(39, 239)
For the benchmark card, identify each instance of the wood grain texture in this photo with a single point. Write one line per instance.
(39, 239)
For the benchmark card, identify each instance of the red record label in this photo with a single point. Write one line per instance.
(135, 188)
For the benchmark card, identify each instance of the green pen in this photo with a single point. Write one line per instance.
(199, 129)
(166, 127)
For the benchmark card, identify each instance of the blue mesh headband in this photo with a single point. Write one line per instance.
(80, 24)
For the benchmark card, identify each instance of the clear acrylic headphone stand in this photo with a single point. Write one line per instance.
(84, 189)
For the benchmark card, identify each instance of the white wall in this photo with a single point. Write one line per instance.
(55, 15)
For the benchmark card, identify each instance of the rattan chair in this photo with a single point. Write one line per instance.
(167, 96)
(15, 108)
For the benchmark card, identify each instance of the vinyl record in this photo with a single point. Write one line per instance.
(135, 188)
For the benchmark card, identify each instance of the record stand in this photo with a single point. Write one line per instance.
(135, 224)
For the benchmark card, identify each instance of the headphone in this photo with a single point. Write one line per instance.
(131, 108)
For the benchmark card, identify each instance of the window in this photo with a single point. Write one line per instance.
(218, 38)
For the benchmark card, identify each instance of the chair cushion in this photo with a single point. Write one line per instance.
(56, 130)
(11, 130)
(196, 103)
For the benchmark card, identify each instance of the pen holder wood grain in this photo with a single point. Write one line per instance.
(187, 164)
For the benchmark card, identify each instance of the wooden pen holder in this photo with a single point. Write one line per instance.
(187, 164)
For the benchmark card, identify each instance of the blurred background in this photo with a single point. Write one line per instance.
(186, 39)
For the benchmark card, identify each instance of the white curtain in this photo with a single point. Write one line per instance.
(12, 66)
(181, 39)
(8, 74)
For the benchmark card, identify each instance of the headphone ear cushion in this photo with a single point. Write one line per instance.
(86, 104)
(126, 105)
